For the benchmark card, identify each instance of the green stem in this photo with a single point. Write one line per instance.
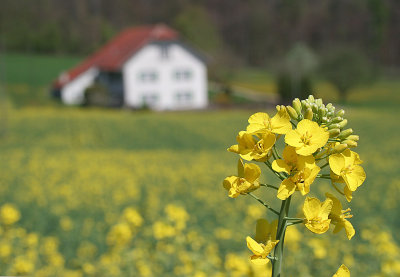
(278, 250)
(265, 204)
(269, 186)
(276, 152)
(324, 165)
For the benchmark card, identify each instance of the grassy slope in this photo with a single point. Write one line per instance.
(26, 78)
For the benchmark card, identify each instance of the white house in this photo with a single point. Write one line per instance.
(141, 66)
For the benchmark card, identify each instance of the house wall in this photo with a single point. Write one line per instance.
(73, 92)
(150, 78)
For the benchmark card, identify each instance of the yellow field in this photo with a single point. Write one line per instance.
(117, 193)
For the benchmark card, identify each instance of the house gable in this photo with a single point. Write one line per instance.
(174, 78)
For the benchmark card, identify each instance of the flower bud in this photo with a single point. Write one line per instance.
(308, 114)
(329, 106)
(314, 107)
(340, 113)
(343, 123)
(344, 134)
(292, 112)
(324, 119)
(339, 148)
(353, 137)
(303, 104)
(350, 143)
(297, 105)
(318, 102)
(322, 111)
(311, 98)
(333, 132)
(337, 119)
(334, 126)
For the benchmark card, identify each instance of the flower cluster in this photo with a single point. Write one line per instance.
(314, 145)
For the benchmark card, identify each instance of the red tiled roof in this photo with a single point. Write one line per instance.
(112, 55)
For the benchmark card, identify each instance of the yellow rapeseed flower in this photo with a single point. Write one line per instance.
(9, 214)
(246, 181)
(347, 166)
(119, 234)
(302, 172)
(339, 217)
(260, 250)
(250, 149)
(316, 214)
(307, 138)
(262, 123)
(343, 271)
(264, 241)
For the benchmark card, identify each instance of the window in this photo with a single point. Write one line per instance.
(182, 75)
(149, 99)
(183, 98)
(164, 52)
(148, 76)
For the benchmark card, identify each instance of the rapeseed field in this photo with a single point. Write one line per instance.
(87, 192)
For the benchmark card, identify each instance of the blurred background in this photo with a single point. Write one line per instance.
(99, 191)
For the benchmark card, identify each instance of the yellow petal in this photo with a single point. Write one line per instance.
(258, 260)
(306, 125)
(252, 172)
(326, 209)
(311, 207)
(229, 181)
(350, 232)
(343, 271)
(336, 163)
(306, 150)
(233, 192)
(281, 166)
(293, 138)
(289, 154)
(337, 206)
(254, 246)
(270, 245)
(281, 122)
(348, 193)
(286, 189)
(258, 118)
(240, 168)
(262, 230)
(234, 148)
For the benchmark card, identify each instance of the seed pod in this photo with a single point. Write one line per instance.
(339, 148)
(308, 114)
(334, 126)
(344, 134)
(292, 112)
(340, 113)
(297, 105)
(353, 137)
(333, 132)
(350, 143)
(343, 123)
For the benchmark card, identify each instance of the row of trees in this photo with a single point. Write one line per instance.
(253, 31)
